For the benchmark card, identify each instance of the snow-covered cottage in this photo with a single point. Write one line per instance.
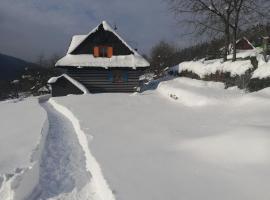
(103, 62)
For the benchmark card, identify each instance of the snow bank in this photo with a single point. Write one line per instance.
(204, 68)
(73, 81)
(191, 92)
(263, 70)
(20, 131)
(247, 53)
(20, 148)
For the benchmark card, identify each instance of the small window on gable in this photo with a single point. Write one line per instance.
(103, 51)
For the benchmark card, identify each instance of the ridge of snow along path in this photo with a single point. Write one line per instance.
(65, 172)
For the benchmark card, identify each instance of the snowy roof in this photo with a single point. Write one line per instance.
(76, 40)
(244, 38)
(73, 81)
(87, 60)
(239, 40)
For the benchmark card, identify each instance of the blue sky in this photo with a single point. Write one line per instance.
(30, 28)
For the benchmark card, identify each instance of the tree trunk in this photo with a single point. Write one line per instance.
(234, 43)
(227, 43)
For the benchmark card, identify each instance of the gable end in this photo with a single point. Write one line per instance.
(102, 37)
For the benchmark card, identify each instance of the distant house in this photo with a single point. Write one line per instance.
(103, 62)
(242, 44)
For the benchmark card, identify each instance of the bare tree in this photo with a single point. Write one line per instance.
(221, 17)
(206, 16)
(245, 14)
(162, 56)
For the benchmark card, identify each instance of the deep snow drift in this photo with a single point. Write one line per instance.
(21, 123)
(153, 146)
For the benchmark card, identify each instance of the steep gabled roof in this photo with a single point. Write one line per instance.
(75, 42)
(245, 39)
(84, 60)
(79, 39)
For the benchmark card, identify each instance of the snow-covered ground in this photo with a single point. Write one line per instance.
(155, 146)
(203, 67)
(187, 139)
(263, 70)
(21, 123)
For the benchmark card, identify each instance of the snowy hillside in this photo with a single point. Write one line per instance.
(21, 125)
(263, 70)
(203, 67)
(188, 139)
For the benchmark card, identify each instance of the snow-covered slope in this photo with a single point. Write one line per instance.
(193, 92)
(21, 123)
(149, 147)
(188, 139)
(204, 68)
(263, 70)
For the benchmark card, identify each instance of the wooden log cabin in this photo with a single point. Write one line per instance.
(103, 62)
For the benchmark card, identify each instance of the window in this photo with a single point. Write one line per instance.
(118, 76)
(103, 51)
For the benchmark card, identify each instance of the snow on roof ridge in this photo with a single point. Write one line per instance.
(76, 39)
(245, 38)
(73, 81)
(106, 27)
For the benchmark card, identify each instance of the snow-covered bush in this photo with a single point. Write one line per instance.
(241, 73)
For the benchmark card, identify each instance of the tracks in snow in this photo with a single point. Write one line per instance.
(63, 173)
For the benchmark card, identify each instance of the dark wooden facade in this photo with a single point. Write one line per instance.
(99, 80)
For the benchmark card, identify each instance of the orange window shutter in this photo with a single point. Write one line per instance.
(96, 52)
(110, 52)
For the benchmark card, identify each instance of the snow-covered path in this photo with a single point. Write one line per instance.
(62, 165)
